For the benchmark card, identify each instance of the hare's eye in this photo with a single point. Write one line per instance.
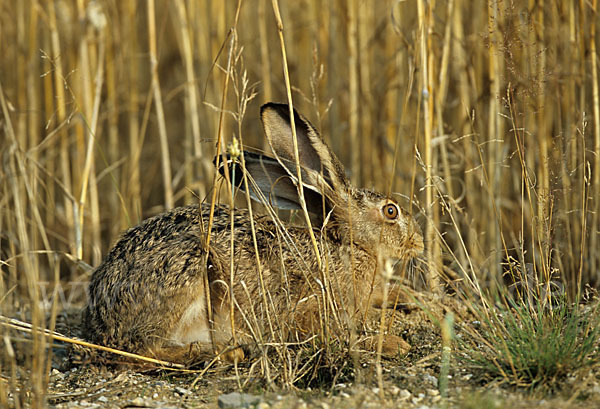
(390, 211)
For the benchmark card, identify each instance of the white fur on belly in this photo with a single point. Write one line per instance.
(193, 325)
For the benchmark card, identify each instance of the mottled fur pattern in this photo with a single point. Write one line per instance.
(148, 295)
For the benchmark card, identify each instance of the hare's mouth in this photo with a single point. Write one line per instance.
(415, 246)
(409, 253)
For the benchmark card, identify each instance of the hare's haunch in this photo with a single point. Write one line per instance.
(149, 296)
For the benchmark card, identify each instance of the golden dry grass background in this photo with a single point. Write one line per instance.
(484, 113)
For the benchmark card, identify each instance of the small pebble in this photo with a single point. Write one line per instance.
(139, 402)
(103, 399)
(182, 391)
(56, 373)
(431, 379)
(236, 400)
(404, 394)
(433, 392)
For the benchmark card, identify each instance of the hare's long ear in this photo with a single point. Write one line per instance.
(269, 182)
(322, 171)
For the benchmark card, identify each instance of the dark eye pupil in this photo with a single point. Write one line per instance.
(391, 211)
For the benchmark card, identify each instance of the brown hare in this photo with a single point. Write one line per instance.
(149, 295)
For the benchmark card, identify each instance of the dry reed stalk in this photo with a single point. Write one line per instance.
(160, 115)
(113, 105)
(34, 105)
(92, 102)
(320, 34)
(441, 96)
(47, 103)
(188, 172)
(217, 23)
(197, 168)
(426, 88)
(82, 94)
(542, 221)
(368, 153)
(584, 197)
(594, 245)
(465, 130)
(334, 81)
(568, 148)
(578, 148)
(61, 116)
(21, 121)
(201, 31)
(133, 200)
(393, 110)
(494, 132)
(265, 60)
(529, 162)
(353, 90)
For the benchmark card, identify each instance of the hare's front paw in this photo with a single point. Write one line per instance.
(232, 355)
(394, 345)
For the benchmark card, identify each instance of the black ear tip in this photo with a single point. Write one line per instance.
(279, 108)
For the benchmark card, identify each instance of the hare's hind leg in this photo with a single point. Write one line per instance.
(196, 332)
(226, 334)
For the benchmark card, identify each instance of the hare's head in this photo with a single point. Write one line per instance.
(381, 226)
(369, 219)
